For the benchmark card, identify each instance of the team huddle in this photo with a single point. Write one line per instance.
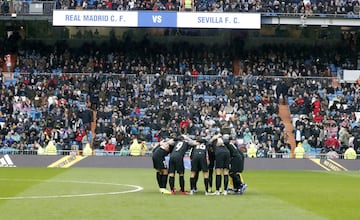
(217, 153)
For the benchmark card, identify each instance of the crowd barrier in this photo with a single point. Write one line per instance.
(177, 78)
(126, 152)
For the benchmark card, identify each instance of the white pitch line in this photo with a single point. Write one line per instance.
(136, 189)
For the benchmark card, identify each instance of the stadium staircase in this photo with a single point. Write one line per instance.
(13, 61)
(93, 123)
(236, 67)
(284, 113)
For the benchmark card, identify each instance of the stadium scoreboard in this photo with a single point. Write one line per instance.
(156, 19)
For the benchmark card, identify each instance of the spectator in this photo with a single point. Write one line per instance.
(109, 147)
(87, 151)
(332, 143)
(299, 151)
(344, 137)
(332, 154)
(350, 154)
(307, 147)
(252, 150)
(137, 148)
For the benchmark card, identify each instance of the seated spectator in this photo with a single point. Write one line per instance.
(262, 151)
(285, 150)
(332, 143)
(60, 145)
(332, 154)
(109, 147)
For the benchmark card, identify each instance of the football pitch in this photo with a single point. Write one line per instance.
(104, 193)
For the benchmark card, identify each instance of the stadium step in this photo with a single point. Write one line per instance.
(13, 58)
(284, 113)
(236, 67)
(93, 126)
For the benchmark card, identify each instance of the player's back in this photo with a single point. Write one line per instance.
(180, 149)
(199, 149)
(234, 152)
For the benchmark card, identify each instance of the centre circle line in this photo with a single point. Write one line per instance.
(136, 189)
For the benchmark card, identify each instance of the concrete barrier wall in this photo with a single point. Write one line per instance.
(146, 162)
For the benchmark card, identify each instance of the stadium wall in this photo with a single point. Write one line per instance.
(146, 162)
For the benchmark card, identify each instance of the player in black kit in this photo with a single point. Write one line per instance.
(222, 160)
(199, 163)
(236, 165)
(159, 163)
(211, 165)
(176, 164)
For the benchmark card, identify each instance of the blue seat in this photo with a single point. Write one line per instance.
(146, 130)
(142, 112)
(209, 98)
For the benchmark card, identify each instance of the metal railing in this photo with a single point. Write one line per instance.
(126, 152)
(150, 78)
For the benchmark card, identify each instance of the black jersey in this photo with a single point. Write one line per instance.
(198, 158)
(234, 152)
(179, 150)
(220, 149)
(237, 158)
(200, 150)
(158, 158)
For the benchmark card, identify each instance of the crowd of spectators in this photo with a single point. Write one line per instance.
(326, 116)
(149, 94)
(269, 7)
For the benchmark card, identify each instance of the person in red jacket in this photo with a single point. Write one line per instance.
(318, 117)
(332, 142)
(109, 147)
(79, 135)
(316, 106)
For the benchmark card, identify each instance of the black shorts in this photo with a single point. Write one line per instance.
(176, 164)
(222, 160)
(236, 165)
(158, 159)
(199, 163)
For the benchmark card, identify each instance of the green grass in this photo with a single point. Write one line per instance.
(40, 193)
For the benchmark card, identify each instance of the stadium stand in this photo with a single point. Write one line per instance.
(109, 94)
(202, 108)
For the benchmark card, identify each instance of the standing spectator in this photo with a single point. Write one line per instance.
(298, 134)
(138, 147)
(344, 137)
(350, 154)
(307, 147)
(299, 151)
(79, 135)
